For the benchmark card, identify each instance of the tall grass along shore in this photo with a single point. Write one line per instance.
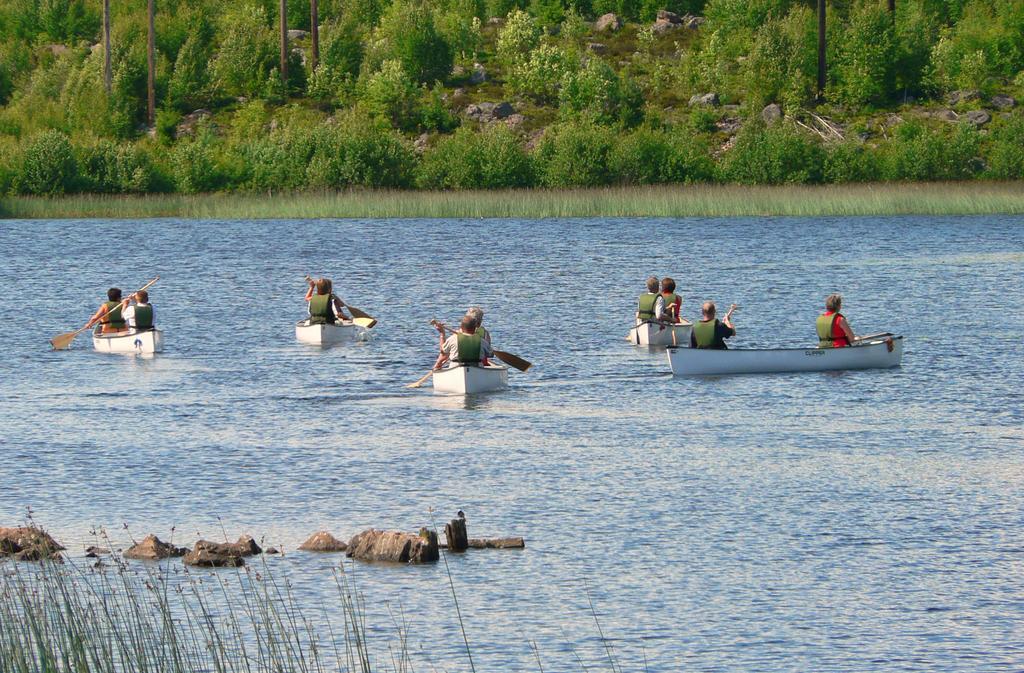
(688, 201)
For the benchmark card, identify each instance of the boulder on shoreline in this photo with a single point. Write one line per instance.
(323, 542)
(606, 22)
(153, 548)
(394, 546)
(28, 543)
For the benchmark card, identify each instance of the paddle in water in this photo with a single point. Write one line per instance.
(63, 341)
(421, 381)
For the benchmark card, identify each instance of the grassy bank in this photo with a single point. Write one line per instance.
(690, 201)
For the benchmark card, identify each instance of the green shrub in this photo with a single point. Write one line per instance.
(593, 89)
(851, 161)
(434, 113)
(391, 94)
(576, 155)
(247, 52)
(114, 168)
(862, 70)
(518, 37)
(782, 65)
(166, 125)
(919, 153)
(1005, 150)
(650, 157)
(549, 13)
(733, 16)
(492, 158)
(407, 33)
(47, 166)
(359, 152)
(541, 74)
(194, 164)
(341, 47)
(187, 89)
(986, 43)
(779, 154)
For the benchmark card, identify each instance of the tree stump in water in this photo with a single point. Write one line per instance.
(456, 535)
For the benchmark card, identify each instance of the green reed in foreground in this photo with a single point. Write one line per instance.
(117, 619)
(669, 201)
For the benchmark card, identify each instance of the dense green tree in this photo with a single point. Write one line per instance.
(492, 158)
(48, 166)
(407, 33)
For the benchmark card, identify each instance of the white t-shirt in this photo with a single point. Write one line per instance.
(129, 315)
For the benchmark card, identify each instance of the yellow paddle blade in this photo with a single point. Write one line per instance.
(356, 313)
(513, 360)
(364, 322)
(62, 341)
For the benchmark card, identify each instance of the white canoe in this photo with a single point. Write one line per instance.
(326, 335)
(469, 379)
(878, 353)
(146, 341)
(661, 334)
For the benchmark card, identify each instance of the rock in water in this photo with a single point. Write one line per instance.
(153, 549)
(204, 558)
(28, 543)
(245, 546)
(394, 546)
(323, 542)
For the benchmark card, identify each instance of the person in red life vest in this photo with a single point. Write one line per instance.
(710, 332)
(108, 315)
(833, 330)
(673, 303)
(464, 347)
(324, 306)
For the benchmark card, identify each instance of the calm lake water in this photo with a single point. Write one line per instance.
(826, 522)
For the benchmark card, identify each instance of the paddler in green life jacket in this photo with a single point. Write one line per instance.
(324, 307)
(138, 316)
(833, 330)
(463, 347)
(671, 301)
(710, 332)
(108, 315)
(650, 306)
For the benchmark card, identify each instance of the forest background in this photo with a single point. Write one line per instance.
(495, 94)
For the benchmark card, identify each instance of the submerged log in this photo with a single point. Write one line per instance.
(394, 546)
(497, 543)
